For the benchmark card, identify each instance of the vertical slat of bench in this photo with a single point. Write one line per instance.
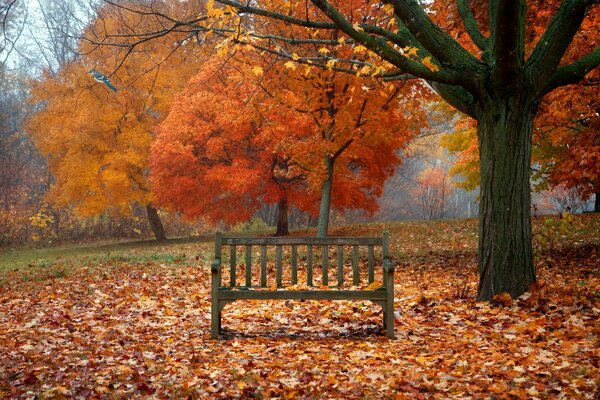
(325, 263)
(371, 264)
(294, 264)
(278, 266)
(215, 318)
(215, 313)
(355, 271)
(309, 265)
(248, 265)
(232, 262)
(263, 265)
(388, 271)
(218, 249)
(340, 271)
(385, 253)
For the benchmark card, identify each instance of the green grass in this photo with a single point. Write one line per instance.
(29, 264)
(417, 239)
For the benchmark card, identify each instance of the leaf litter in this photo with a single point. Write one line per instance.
(123, 330)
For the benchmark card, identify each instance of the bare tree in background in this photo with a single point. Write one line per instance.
(51, 33)
(12, 23)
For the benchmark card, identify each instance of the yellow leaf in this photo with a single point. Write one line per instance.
(256, 70)
(324, 50)
(330, 64)
(307, 71)
(124, 369)
(295, 57)
(374, 286)
(430, 65)
(360, 48)
(62, 390)
(291, 65)
(357, 27)
(364, 71)
(410, 51)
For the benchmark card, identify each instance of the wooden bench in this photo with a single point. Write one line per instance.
(317, 288)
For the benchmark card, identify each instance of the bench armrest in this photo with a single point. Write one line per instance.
(388, 266)
(215, 266)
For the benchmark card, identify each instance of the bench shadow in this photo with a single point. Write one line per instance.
(368, 331)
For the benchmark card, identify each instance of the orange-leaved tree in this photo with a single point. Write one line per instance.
(97, 141)
(216, 158)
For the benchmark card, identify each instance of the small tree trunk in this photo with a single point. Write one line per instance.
(505, 256)
(282, 218)
(323, 225)
(597, 203)
(155, 223)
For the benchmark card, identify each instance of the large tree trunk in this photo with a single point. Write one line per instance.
(155, 223)
(323, 225)
(282, 218)
(505, 257)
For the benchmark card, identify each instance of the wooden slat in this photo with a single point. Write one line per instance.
(325, 264)
(385, 246)
(355, 270)
(340, 268)
(232, 265)
(248, 265)
(279, 277)
(263, 266)
(371, 265)
(329, 241)
(385, 254)
(218, 241)
(375, 295)
(309, 265)
(294, 264)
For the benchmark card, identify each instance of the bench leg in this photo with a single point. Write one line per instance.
(220, 317)
(388, 323)
(215, 320)
(384, 316)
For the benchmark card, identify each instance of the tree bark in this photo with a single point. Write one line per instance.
(324, 209)
(505, 256)
(155, 223)
(282, 218)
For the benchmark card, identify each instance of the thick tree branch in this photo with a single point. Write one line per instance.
(546, 56)
(470, 23)
(458, 98)
(573, 73)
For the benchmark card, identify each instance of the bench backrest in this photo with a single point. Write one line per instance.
(339, 243)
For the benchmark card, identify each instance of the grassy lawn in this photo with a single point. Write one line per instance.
(131, 320)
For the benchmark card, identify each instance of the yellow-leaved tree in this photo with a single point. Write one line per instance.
(97, 140)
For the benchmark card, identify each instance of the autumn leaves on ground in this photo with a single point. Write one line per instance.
(132, 320)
